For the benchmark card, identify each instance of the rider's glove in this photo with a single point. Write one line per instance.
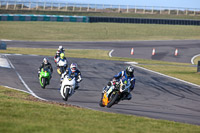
(79, 80)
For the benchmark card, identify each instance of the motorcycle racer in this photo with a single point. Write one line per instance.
(126, 75)
(45, 64)
(74, 72)
(60, 50)
(56, 57)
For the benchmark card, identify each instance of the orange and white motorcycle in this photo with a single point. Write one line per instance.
(116, 92)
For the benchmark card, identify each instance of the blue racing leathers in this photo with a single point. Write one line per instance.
(130, 79)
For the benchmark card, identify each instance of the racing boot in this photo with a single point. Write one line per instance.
(128, 96)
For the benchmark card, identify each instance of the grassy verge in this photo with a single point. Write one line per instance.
(61, 31)
(20, 113)
(96, 14)
(179, 70)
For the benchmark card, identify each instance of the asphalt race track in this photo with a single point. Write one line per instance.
(154, 95)
(142, 49)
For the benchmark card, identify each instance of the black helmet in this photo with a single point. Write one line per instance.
(129, 71)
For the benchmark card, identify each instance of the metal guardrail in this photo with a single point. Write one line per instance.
(75, 7)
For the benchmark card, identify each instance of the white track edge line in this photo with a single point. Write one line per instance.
(110, 53)
(31, 92)
(168, 76)
(192, 60)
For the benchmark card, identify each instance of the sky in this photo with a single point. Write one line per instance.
(166, 3)
(163, 3)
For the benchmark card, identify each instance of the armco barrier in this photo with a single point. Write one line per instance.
(144, 21)
(58, 18)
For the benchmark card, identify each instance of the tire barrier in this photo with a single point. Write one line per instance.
(57, 18)
(144, 21)
(62, 18)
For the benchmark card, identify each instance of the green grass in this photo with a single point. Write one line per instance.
(21, 113)
(96, 14)
(62, 31)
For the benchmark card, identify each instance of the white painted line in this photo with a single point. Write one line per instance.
(5, 40)
(192, 60)
(131, 63)
(4, 63)
(168, 76)
(110, 53)
(31, 92)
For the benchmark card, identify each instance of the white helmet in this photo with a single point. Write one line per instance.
(73, 67)
(60, 48)
(45, 60)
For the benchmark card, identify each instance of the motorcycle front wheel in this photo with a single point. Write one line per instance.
(113, 98)
(43, 82)
(66, 93)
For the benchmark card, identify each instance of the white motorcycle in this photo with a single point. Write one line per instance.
(67, 87)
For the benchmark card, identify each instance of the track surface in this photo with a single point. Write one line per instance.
(154, 96)
(142, 49)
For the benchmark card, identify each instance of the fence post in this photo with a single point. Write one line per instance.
(95, 7)
(177, 11)
(22, 6)
(169, 12)
(88, 9)
(44, 6)
(74, 7)
(194, 12)
(30, 6)
(66, 6)
(186, 11)
(37, 6)
(152, 10)
(15, 5)
(135, 9)
(7, 5)
(59, 7)
(119, 9)
(144, 10)
(127, 9)
(80, 8)
(51, 6)
(160, 10)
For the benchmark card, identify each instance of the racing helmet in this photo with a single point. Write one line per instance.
(62, 55)
(45, 61)
(73, 67)
(60, 48)
(129, 71)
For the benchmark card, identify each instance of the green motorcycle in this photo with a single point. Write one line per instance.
(44, 77)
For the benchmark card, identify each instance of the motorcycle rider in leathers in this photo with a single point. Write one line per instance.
(74, 72)
(128, 74)
(45, 64)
